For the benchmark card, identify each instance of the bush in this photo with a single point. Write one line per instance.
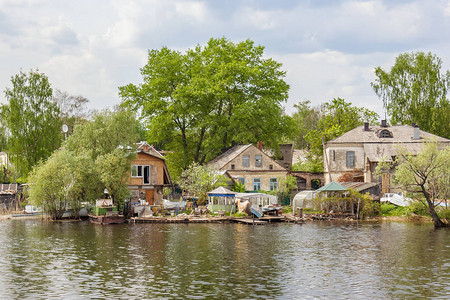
(394, 211)
(444, 214)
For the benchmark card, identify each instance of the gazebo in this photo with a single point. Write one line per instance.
(221, 199)
(333, 202)
(332, 187)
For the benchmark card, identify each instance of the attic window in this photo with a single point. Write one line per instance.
(385, 134)
(270, 167)
(232, 167)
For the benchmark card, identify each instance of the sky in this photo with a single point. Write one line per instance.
(328, 49)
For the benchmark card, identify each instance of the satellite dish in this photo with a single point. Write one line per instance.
(65, 128)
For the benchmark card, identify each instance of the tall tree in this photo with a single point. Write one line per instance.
(306, 118)
(201, 102)
(96, 156)
(336, 118)
(72, 109)
(32, 120)
(415, 90)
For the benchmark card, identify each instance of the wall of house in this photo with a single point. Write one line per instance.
(252, 152)
(150, 192)
(263, 175)
(145, 159)
(337, 160)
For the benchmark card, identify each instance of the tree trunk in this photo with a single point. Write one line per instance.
(437, 222)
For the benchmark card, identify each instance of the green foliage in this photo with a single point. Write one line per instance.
(337, 117)
(391, 210)
(415, 90)
(208, 99)
(201, 179)
(425, 175)
(349, 202)
(313, 164)
(58, 184)
(96, 156)
(32, 120)
(306, 118)
(444, 214)
(240, 215)
(238, 187)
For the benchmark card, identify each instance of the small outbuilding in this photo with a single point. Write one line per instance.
(221, 199)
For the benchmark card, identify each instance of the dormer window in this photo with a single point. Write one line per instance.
(385, 134)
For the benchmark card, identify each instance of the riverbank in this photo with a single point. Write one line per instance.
(288, 218)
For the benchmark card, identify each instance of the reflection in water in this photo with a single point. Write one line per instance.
(331, 260)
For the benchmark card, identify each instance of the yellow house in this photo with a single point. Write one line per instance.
(251, 166)
(148, 175)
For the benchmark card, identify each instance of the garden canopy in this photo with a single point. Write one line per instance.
(332, 187)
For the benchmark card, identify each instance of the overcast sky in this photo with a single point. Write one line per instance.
(329, 49)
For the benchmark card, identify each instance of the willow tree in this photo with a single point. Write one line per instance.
(31, 119)
(415, 90)
(202, 102)
(96, 156)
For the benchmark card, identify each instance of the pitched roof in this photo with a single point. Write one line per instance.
(400, 134)
(332, 187)
(227, 156)
(221, 191)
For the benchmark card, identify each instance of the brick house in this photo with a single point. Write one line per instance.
(353, 156)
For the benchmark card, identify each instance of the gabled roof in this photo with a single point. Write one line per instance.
(400, 134)
(144, 147)
(332, 187)
(227, 156)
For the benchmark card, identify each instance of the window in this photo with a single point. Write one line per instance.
(256, 184)
(385, 133)
(146, 174)
(334, 155)
(232, 167)
(273, 184)
(258, 160)
(246, 160)
(350, 158)
(136, 171)
(270, 167)
(241, 180)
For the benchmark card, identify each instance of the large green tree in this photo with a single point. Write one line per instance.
(336, 118)
(201, 102)
(306, 118)
(96, 156)
(415, 90)
(32, 120)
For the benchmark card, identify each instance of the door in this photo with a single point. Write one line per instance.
(150, 196)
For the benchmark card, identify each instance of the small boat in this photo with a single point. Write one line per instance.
(105, 212)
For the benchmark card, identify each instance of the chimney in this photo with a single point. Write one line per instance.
(259, 145)
(366, 126)
(416, 133)
(383, 123)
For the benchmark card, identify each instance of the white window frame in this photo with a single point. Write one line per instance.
(137, 168)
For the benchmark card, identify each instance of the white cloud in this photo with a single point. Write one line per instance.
(192, 11)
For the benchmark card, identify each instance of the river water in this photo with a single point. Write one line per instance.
(79, 260)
